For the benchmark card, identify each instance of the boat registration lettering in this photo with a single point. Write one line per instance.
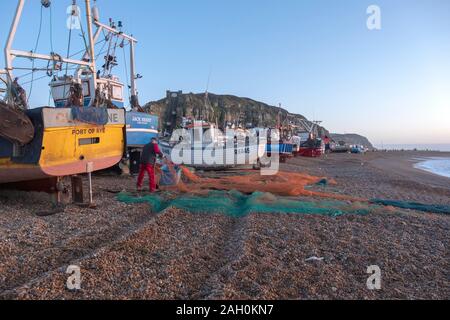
(81, 132)
(141, 120)
(113, 118)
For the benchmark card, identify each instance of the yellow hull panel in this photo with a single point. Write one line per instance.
(64, 145)
(74, 148)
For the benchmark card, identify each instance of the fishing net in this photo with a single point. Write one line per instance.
(287, 184)
(169, 175)
(237, 204)
(443, 209)
(249, 192)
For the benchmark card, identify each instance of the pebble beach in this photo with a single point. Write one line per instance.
(127, 251)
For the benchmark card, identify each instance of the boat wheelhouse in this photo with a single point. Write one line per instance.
(111, 88)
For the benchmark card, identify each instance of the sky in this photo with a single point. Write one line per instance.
(315, 57)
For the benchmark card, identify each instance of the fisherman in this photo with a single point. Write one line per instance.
(148, 162)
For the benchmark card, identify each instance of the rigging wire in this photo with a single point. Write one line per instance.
(101, 50)
(42, 68)
(68, 48)
(114, 56)
(83, 34)
(35, 49)
(42, 77)
(84, 50)
(108, 54)
(69, 43)
(34, 80)
(51, 30)
(67, 64)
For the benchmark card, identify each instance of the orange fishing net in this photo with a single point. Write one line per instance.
(288, 184)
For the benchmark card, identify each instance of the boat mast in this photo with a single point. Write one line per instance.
(134, 98)
(91, 48)
(132, 41)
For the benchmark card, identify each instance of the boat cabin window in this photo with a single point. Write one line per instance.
(61, 92)
(117, 92)
(88, 141)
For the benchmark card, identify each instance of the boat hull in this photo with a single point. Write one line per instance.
(199, 158)
(141, 128)
(310, 152)
(11, 172)
(63, 146)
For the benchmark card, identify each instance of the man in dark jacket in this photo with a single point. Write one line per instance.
(148, 161)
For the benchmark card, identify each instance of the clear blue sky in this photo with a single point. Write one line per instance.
(316, 57)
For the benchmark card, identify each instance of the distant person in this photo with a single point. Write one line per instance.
(148, 162)
(327, 142)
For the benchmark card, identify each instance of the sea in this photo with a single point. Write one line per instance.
(439, 166)
(436, 165)
(422, 147)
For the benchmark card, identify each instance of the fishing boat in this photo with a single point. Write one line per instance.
(311, 146)
(203, 146)
(141, 128)
(200, 144)
(279, 145)
(358, 149)
(280, 141)
(84, 133)
(341, 147)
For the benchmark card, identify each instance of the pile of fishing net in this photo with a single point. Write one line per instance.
(237, 204)
(287, 184)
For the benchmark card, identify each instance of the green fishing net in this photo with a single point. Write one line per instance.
(430, 208)
(236, 204)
